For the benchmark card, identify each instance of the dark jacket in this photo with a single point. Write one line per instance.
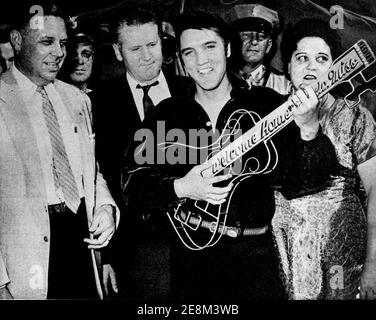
(116, 119)
(134, 248)
(302, 167)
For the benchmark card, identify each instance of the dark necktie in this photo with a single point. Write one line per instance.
(62, 171)
(146, 100)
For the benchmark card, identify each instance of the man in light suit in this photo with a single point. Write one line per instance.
(55, 207)
(119, 111)
(6, 51)
(4, 292)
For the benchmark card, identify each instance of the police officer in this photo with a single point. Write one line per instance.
(257, 26)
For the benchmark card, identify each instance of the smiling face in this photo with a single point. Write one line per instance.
(41, 51)
(310, 61)
(140, 49)
(204, 56)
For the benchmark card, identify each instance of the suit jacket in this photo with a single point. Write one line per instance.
(24, 219)
(116, 119)
(141, 259)
(3, 274)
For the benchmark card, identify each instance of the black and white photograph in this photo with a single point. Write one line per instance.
(187, 157)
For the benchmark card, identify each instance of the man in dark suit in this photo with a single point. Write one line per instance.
(120, 107)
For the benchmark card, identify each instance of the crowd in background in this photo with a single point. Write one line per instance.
(96, 34)
(316, 211)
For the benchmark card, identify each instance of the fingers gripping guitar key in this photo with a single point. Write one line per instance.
(189, 217)
(305, 113)
(196, 187)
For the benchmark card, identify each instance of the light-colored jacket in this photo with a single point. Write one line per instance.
(24, 220)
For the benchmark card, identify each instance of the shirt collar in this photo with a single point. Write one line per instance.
(87, 90)
(258, 73)
(133, 82)
(26, 86)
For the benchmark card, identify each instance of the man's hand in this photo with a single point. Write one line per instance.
(305, 113)
(368, 282)
(5, 294)
(109, 279)
(102, 227)
(194, 186)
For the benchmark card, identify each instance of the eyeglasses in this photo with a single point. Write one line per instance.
(253, 36)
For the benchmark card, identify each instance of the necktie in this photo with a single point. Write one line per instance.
(146, 100)
(62, 171)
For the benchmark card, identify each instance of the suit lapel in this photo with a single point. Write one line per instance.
(173, 84)
(21, 132)
(132, 108)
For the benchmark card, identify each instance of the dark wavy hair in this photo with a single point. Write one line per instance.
(309, 27)
(199, 20)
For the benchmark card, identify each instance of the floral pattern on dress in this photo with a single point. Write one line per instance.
(321, 238)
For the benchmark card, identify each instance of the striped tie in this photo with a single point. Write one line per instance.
(62, 171)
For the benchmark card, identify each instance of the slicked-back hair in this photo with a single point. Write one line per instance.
(133, 15)
(309, 27)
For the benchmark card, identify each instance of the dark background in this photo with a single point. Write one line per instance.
(359, 15)
(359, 19)
(362, 7)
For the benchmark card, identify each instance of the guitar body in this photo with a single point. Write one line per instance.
(245, 150)
(200, 224)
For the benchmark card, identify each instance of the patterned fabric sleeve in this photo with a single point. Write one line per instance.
(365, 135)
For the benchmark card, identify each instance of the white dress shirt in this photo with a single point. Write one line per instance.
(33, 103)
(276, 82)
(156, 93)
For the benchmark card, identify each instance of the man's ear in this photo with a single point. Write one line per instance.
(270, 44)
(116, 48)
(16, 40)
(228, 50)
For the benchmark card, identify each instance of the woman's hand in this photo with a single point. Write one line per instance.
(305, 112)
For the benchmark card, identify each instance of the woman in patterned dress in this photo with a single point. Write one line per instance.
(327, 240)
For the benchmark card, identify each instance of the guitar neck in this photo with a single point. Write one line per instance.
(351, 62)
